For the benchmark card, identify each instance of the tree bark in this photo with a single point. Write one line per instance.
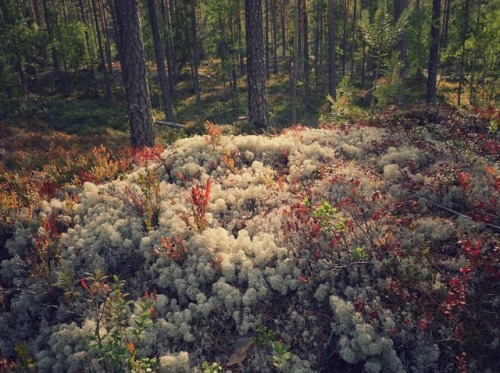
(107, 84)
(274, 28)
(131, 49)
(305, 47)
(295, 65)
(195, 51)
(462, 56)
(256, 66)
(160, 63)
(434, 52)
(331, 49)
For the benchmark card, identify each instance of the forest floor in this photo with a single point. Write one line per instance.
(410, 199)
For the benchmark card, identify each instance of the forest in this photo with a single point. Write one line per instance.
(249, 186)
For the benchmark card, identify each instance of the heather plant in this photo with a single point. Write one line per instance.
(281, 356)
(198, 201)
(377, 252)
(173, 248)
(229, 158)
(142, 197)
(206, 367)
(214, 134)
(108, 307)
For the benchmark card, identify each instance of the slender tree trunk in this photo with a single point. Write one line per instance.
(472, 98)
(88, 43)
(434, 52)
(353, 38)
(257, 91)
(399, 7)
(319, 42)
(283, 4)
(107, 84)
(295, 64)
(240, 41)
(160, 64)
(446, 22)
(462, 56)
(107, 40)
(196, 53)
(131, 49)
(169, 55)
(274, 23)
(55, 58)
(266, 34)
(331, 50)
(305, 45)
(344, 37)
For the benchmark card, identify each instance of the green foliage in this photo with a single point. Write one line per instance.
(389, 88)
(264, 336)
(281, 356)
(211, 368)
(417, 36)
(73, 46)
(108, 306)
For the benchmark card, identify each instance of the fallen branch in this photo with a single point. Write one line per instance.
(222, 112)
(170, 124)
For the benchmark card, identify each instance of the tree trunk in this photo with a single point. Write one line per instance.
(446, 22)
(107, 85)
(295, 65)
(257, 92)
(160, 63)
(462, 56)
(196, 53)
(266, 35)
(305, 46)
(283, 28)
(434, 52)
(472, 97)
(131, 49)
(399, 7)
(274, 28)
(107, 41)
(353, 40)
(169, 54)
(344, 37)
(331, 49)
(318, 41)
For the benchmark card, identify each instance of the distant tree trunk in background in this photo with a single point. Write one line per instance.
(294, 73)
(274, 23)
(266, 36)
(399, 7)
(256, 76)
(318, 41)
(434, 52)
(331, 49)
(107, 41)
(169, 51)
(344, 36)
(195, 52)
(462, 55)
(353, 37)
(131, 49)
(160, 63)
(472, 97)
(446, 22)
(283, 28)
(305, 47)
(107, 84)
(241, 57)
(88, 43)
(48, 23)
